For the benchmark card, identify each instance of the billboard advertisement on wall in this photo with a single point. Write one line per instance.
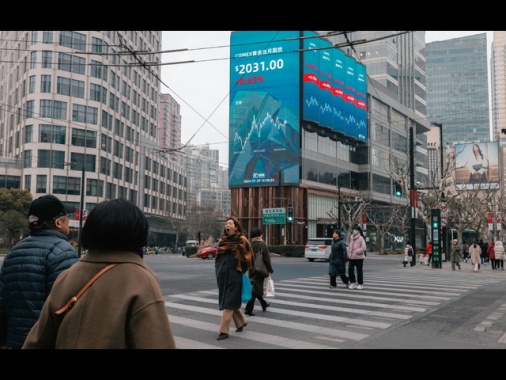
(334, 88)
(477, 166)
(277, 79)
(264, 130)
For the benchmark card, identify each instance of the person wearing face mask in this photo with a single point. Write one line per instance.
(474, 253)
(356, 256)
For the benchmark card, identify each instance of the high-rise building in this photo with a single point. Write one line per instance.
(457, 88)
(498, 85)
(169, 131)
(79, 119)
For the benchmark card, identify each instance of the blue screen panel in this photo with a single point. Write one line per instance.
(264, 108)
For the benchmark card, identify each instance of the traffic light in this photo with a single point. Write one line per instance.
(397, 189)
(289, 214)
(435, 225)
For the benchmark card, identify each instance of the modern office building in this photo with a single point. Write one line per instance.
(498, 103)
(457, 88)
(80, 119)
(331, 165)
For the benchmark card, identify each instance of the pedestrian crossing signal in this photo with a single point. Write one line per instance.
(435, 225)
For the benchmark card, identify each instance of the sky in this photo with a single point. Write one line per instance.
(201, 87)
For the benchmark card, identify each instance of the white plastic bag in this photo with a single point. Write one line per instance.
(268, 287)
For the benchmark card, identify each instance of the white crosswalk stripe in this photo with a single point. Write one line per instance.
(306, 314)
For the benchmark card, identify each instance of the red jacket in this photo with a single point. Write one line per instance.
(490, 251)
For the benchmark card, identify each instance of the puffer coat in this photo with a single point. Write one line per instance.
(337, 258)
(27, 276)
(499, 250)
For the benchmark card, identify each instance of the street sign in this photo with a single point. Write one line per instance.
(444, 222)
(274, 215)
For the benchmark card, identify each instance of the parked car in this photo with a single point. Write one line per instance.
(318, 249)
(208, 252)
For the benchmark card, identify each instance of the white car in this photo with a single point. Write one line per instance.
(318, 249)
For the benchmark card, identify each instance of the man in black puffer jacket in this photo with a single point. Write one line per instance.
(31, 268)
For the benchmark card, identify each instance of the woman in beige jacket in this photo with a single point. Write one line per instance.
(474, 253)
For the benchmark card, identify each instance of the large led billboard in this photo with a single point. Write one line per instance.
(334, 88)
(277, 79)
(477, 166)
(264, 146)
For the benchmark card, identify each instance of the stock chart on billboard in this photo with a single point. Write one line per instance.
(334, 88)
(264, 130)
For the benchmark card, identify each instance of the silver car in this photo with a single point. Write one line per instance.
(318, 249)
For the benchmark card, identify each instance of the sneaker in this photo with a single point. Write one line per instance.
(333, 287)
(360, 286)
(352, 286)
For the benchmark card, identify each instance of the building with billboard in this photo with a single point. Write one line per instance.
(304, 126)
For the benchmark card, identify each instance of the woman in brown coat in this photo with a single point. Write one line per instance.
(124, 308)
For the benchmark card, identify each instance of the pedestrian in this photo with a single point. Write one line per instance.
(233, 258)
(483, 255)
(262, 268)
(124, 308)
(408, 253)
(429, 252)
(455, 254)
(31, 267)
(499, 255)
(491, 255)
(337, 260)
(356, 256)
(465, 251)
(475, 255)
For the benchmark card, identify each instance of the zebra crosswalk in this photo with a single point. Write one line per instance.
(306, 314)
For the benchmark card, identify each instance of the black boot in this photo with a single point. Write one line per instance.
(404, 262)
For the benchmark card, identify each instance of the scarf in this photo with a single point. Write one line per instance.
(239, 246)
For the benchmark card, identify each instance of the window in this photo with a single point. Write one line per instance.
(52, 134)
(89, 161)
(47, 37)
(97, 70)
(73, 40)
(105, 166)
(30, 108)
(45, 83)
(70, 87)
(41, 185)
(53, 109)
(51, 159)
(28, 182)
(84, 114)
(31, 84)
(27, 159)
(28, 134)
(74, 64)
(94, 187)
(47, 59)
(33, 60)
(80, 137)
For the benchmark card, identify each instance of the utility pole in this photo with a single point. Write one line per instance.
(81, 214)
(412, 194)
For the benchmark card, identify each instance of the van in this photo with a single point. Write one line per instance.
(318, 249)
(192, 243)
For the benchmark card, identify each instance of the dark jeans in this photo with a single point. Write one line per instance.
(359, 264)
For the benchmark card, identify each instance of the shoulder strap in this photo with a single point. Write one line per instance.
(72, 300)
